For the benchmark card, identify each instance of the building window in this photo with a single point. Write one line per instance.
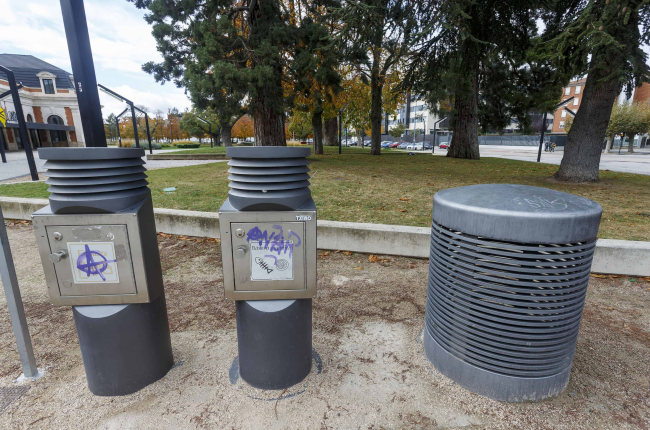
(561, 124)
(563, 113)
(57, 135)
(575, 102)
(578, 89)
(567, 91)
(48, 85)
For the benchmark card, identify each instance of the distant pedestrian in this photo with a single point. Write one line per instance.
(546, 147)
(553, 148)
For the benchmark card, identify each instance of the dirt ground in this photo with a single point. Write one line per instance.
(367, 319)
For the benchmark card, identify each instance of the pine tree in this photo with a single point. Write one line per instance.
(476, 55)
(230, 56)
(602, 39)
(379, 35)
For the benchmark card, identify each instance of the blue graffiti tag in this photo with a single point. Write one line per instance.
(275, 242)
(91, 267)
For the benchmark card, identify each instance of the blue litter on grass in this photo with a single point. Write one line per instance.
(169, 190)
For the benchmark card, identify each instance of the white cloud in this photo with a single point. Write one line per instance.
(121, 42)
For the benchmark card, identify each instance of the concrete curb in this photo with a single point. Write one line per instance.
(173, 156)
(617, 257)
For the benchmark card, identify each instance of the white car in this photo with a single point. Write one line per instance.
(415, 146)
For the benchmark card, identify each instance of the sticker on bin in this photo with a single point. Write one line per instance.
(272, 261)
(93, 263)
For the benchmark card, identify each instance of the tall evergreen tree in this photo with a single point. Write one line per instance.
(476, 55)
(378, 33)
(226, 52)
(314, 69)
(601, 38)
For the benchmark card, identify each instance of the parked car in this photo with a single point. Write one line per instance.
(386, 144)
(415, 146)
(444, 145)
(394, 145)
(403, 145)
(366, 143)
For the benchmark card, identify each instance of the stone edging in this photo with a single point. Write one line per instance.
(173, 156)
(618, 257)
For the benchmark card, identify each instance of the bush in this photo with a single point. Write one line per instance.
(188, 145)
(153, 145)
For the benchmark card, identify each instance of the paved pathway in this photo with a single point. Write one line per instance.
(639, 162)
(17, 167)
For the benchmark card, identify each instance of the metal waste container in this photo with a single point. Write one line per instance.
(508, 275)
(98, 245)
(268, 243)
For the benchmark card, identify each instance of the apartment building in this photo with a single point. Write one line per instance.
(575, 90)
(415, 115)
(49, 104)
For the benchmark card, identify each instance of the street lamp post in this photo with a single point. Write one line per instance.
(209, 128)
(340, 127)
(541, 134)
(435, 134)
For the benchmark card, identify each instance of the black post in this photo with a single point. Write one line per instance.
(340, 132)
(135, 126)
(83, 69)
(119, 136)
(211, 138)
(541, 138)
(2, 146)
(146, 121)
(435, 137)
(22, 128)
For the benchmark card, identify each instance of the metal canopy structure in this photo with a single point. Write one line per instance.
(133, 109)
(24, 137)
(541, 135)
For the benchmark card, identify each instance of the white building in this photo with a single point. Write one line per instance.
(49, 104)
(417, 118)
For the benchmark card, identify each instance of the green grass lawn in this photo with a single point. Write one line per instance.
(396, 188)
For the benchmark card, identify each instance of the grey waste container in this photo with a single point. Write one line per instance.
(508, 274)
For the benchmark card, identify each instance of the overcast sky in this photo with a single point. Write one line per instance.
(121, 43)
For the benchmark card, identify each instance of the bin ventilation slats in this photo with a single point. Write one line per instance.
(94, 179)
(508, 273)
(479, 306)
(267, 178)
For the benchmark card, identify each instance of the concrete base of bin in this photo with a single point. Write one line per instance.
(124, 347)
(489, 384)
(274, 340)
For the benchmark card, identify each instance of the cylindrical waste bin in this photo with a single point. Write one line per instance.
(508, 274)
(268, 242)
(97, 241)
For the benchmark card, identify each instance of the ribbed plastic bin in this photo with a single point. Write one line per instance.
(508, 275)
(268, 178)
(94, 180)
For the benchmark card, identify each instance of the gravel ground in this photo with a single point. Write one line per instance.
(367, 319)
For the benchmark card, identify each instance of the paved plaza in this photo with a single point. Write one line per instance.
(639, 162)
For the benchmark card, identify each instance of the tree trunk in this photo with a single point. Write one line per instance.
(226, 132)
(359, 137)
(317, 125)
(610, 142)
(331, 132)
(630, 145)
(581, 159)
(464, 143)
(375, 109)
(269, 126)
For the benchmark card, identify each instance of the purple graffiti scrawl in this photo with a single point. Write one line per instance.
(91, 267)
(275, 241)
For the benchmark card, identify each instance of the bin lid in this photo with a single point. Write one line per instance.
(518, 213)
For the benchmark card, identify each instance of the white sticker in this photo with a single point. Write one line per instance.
(93, 263)
(273, 262)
